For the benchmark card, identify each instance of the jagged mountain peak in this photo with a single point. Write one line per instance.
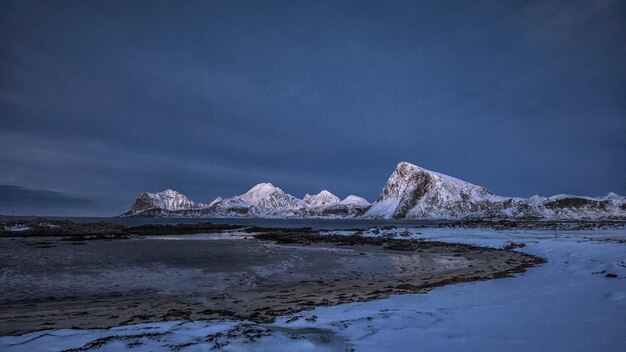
(263, 185)
(321, 199)
(325, 193)
(263, 188)
(403, 168)
(168, 199)
(167, 193)
(269, 198)
(407, 177)
(614, 196)
(215, 201)
(413, 191)
(355, 200)
(405, 171)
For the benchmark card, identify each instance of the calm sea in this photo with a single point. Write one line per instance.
(284, 223)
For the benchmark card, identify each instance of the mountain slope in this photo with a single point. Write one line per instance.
(320, 199)
(412, 192)
(356, 201)
(326, 204)
(270, 201)
(416, 193)
(168, 200)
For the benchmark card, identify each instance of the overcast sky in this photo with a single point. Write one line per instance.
(102, 100)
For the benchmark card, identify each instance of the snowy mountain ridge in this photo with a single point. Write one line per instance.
(411, 192)
(263, 201)
(414, 192)
(320, 199)
(168, 200)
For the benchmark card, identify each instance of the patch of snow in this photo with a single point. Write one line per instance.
(172, 200)
(355, 200)
(227, 235)
(215, 201)
(16, 228)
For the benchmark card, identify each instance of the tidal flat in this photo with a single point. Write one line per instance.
(60, 283)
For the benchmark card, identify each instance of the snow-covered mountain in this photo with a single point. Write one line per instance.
(320, 199)
(356, 201)
(412, 192)
(263, 200)
(326, 204)
(168, 200)
(271, 201)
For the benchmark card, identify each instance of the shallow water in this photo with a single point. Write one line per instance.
(54, 283)
(284, 223)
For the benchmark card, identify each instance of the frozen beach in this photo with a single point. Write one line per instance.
(574, 302)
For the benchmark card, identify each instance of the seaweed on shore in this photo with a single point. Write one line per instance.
(533, 224)
(259, 229)
(43, 227)
(179, 229)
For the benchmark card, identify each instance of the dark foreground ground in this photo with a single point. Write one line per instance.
(97, 280)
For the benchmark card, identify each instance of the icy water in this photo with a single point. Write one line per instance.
(284, 223)
(56, 284)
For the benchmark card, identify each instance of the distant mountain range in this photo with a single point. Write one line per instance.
(411, 192)
(261, 201)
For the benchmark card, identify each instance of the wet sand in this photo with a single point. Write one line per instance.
(54, 284)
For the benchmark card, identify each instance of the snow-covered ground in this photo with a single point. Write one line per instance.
(575, 302)
(16, 228)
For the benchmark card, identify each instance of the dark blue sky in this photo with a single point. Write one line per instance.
(101, 100)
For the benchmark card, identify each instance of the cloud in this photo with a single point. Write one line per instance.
(42, 202)
(211, 98)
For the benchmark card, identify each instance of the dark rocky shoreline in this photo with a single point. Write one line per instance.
(45, 227)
